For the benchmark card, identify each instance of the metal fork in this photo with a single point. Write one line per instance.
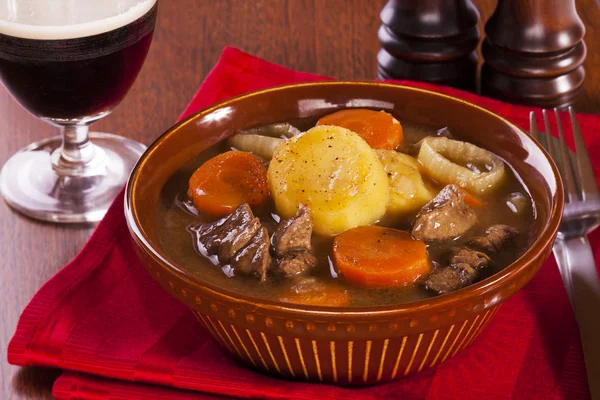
(572, 249)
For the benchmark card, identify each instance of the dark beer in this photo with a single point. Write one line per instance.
(75, 78)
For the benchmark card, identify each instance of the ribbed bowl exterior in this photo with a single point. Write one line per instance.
(344, 362)
(359, 351)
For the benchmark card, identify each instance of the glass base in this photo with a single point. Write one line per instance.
(30, 185)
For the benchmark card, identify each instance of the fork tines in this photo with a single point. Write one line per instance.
(577, 172)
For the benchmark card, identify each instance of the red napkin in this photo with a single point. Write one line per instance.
(105, 318)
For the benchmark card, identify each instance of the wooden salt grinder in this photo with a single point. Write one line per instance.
(534, 52)
(429, 40)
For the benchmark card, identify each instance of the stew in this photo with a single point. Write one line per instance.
(353, 209)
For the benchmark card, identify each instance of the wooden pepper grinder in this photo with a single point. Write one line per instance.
(534, 52)
(429, 40)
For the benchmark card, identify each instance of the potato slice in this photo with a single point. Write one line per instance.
(408, 192)
(335, 173)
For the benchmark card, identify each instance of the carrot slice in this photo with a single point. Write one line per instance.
(375, 256)
(473, 201)
(378, 128)
(228, 180)
(322, 295)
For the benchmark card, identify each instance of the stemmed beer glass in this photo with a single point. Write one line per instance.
(69, 63)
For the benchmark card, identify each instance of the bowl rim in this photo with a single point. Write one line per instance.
(488, 285)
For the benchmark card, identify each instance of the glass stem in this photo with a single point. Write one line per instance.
(78, 156)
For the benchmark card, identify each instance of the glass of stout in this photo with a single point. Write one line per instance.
(69, 63)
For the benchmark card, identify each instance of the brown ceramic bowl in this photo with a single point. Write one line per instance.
(347, 346)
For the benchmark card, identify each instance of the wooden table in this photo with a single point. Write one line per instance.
(329, 37)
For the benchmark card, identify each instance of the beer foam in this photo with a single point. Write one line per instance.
(68, 19)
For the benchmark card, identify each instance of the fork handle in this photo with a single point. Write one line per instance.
(578, 258)
(560, 254)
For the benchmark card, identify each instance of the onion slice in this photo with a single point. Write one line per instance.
(279, 130)
(443, 160)
(261, 146)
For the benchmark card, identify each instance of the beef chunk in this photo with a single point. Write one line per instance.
(296, 262)
(254, 259)
(238, 239)
(465, 263)
(294, 233)
(292, 243)
(444, 217)
(465, 255)
(462, 271)
(210, 235)
(448, 279)
(495, 238)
